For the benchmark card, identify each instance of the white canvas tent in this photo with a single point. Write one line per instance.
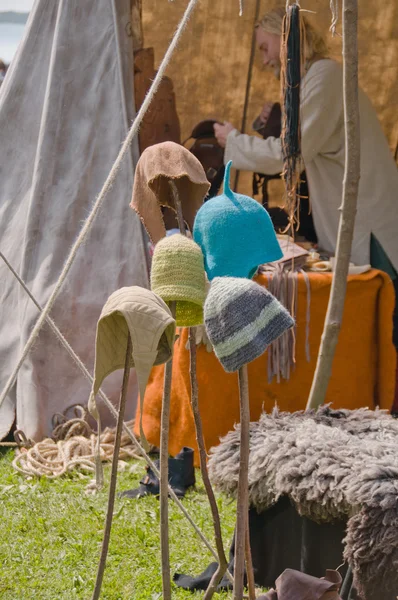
(65, 108)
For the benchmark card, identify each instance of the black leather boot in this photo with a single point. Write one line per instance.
(181, 477)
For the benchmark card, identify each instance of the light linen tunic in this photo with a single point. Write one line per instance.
(323, 151)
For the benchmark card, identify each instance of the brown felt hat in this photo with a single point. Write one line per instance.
(158, 165)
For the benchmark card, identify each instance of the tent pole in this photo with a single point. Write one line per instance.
(348, 209)
(137, 30)
(248, 82)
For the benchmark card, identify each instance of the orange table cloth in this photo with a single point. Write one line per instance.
(363, 369)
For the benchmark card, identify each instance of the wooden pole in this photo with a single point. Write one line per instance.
(136, 24)
(249, 563)
(348, 210)
(112, 487)
(243, 487)
(178, 207)
(164, 475)
(222, 559)
(248, 81)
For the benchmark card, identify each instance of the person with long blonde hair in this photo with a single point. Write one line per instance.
(323, 151)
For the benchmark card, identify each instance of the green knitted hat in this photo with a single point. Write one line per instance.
(178, 274)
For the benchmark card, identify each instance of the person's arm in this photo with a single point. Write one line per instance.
(250, 153)
(321, 116)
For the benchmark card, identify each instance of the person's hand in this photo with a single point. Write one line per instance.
(221, 132)
(265, 113)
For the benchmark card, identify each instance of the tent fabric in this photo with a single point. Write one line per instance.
(65, 108)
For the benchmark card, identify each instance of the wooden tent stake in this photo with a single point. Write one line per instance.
(348, 210)
(222, 559)
(164, 474)
(112, 486)
(243, 486)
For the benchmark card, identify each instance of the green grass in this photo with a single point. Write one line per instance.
(51, 534)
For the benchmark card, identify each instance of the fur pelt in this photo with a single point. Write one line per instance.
(333, 465)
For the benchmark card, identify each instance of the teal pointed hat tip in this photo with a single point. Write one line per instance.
(227, 176)
(235, 233)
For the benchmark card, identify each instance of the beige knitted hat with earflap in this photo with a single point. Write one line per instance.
(142, 314)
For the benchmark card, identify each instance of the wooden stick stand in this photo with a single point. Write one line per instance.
(242, 543)
(112, 487)
(164, 476)
(222, 559)
(249, 564)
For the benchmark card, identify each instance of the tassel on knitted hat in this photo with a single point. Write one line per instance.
(178, 275)
(242, 319)
(235, 233)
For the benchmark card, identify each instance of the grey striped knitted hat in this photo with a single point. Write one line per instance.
(242, 319)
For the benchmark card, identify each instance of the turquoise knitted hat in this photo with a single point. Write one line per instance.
(242, 319)
(235, 233)
(178, 275)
